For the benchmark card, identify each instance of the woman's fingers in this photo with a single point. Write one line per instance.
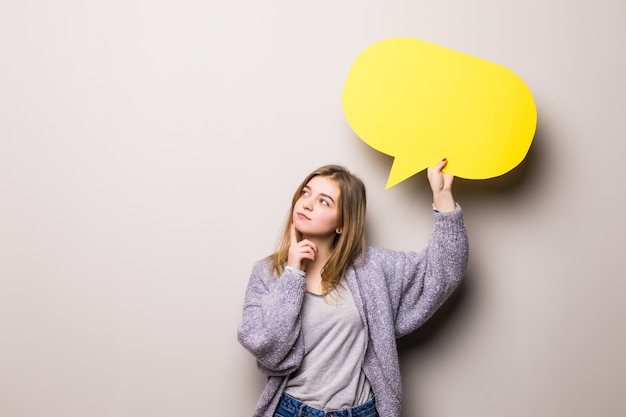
(300, 251)
(308, 249)
(294, 235)
(441, 165)
(438, 180)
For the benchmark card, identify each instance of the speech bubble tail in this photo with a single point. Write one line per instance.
(391, 182)
(401, 170)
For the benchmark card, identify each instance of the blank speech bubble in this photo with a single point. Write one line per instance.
(421, 102)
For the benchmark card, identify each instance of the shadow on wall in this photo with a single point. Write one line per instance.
(513, 185)
(458, 301)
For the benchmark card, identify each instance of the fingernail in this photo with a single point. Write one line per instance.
(444, 159)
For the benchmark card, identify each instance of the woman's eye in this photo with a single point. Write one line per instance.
(324, 202)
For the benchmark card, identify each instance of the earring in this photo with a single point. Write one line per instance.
(339, 230)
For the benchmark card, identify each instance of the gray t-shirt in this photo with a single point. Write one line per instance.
(331, 375)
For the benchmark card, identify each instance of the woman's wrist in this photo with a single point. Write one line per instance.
(443, 201)
(295, 270)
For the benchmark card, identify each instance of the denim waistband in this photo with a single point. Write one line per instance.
(299, 409)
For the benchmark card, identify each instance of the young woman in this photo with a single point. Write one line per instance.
(322, 314)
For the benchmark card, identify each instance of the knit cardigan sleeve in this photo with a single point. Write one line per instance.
(423, 281)
(270, 328)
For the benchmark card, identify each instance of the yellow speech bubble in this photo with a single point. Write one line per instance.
(421, 102)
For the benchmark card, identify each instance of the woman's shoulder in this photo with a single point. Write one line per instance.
(262, 266)
(262, 273)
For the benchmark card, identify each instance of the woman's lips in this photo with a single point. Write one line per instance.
(302, 216)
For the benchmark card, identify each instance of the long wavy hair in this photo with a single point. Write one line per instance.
(348, 244)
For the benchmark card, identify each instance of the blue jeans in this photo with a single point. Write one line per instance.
(290, 407)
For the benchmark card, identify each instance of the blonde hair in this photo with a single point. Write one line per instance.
(348, 244)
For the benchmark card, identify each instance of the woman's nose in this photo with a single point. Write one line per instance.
(307, 204)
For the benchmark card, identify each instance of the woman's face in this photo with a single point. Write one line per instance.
(315, 212)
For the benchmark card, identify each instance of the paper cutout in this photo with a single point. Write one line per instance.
(421, 102)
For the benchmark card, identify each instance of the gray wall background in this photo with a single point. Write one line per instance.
(148, 152)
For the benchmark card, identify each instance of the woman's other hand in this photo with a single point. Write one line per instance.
(301, 251)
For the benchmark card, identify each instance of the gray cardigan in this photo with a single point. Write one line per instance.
(395, 292)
